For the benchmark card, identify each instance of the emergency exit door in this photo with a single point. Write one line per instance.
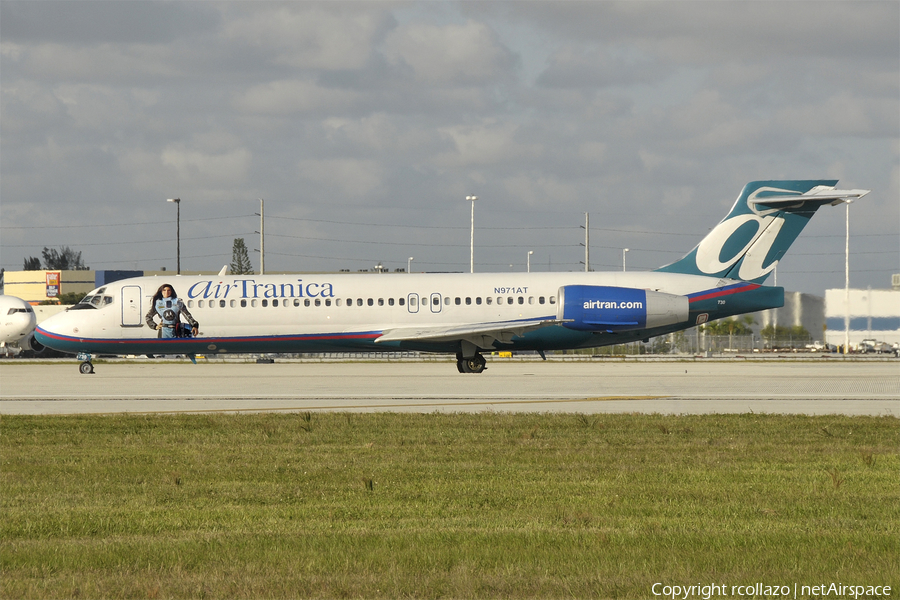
(131, 306)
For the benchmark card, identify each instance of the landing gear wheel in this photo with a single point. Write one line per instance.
(86, 368)
(475, 364)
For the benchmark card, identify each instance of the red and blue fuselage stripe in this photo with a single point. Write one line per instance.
(728, 290)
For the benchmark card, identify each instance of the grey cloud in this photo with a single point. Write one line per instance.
(649, 115)
(92, 22)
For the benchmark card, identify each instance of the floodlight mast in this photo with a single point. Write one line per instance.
(177, 202)
(472, 236)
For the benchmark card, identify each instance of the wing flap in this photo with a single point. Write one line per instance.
(480, 334)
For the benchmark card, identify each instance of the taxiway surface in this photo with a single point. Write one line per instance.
(689, 387)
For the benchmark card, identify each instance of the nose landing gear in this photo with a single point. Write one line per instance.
(86, 367)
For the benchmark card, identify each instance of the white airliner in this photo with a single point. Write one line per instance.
(462, 314)
(17, 323)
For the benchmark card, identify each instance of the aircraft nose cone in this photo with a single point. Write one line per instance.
(58, 329)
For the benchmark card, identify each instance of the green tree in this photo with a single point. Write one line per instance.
(730, 326)
(68, 298)
(785, 336)
(240, 260)
(64, 259)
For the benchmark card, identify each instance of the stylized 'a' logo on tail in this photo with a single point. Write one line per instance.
(763, 223)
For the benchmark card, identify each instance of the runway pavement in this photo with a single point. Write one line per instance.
(689, 387)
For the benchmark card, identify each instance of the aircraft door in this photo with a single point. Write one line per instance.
(131, 306)
(435, 302)
(412, 303)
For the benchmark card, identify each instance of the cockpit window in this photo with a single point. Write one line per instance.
(89, 301)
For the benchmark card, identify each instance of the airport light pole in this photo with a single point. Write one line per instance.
(624, 250)
(409, 264)
(177, 202)
(530, 252)
(262, 236)
(847, 283)
(472, 237)
(587, 242)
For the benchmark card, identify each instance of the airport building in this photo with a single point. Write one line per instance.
(871, 315)
(42, 285)
(39, 286)
(805, 310)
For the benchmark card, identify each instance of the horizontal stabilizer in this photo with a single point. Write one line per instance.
(818, 196)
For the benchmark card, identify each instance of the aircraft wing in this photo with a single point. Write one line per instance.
(482, 335)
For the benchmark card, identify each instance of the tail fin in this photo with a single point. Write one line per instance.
(764, 221)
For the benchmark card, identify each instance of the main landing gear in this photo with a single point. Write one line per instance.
(86, 367)
(473, 364)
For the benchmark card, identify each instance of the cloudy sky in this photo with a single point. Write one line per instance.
(365, 125)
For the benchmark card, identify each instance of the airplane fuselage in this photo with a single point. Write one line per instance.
(341, 312)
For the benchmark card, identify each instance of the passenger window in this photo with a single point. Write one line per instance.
(530, 299)
(233, 303)
(499, 299)
(489, 300)
(359, 301)
(390, 301)
(328, 302)
(413, 301)
(274, 302)
(381, 302)
(552, 299)
(458, 302)
(337, 302)
(199, 304)
(521, 300)
(401, 301)
(318, 302)
(435, 301)
(296, 301)
(468, 301)
(509, 300)
(253, 303)
(265, 303)
(243, 304)
(541, 300)
(370, 302)
(306, 302)
(221, 304)
(447, 300)
(478, 300)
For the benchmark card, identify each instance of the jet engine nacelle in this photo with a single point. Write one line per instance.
(29, 343)
(605, 308)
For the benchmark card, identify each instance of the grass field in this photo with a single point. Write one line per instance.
(462, 506)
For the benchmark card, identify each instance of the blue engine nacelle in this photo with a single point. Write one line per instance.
(604, 308)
